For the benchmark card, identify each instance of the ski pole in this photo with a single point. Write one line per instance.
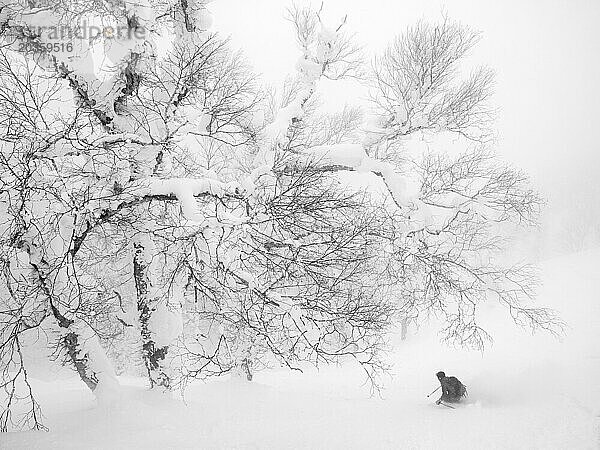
(433, 392)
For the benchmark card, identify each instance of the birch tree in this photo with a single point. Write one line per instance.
(151, 186)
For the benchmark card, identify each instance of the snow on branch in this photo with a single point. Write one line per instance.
(417, 87)
(325, 53)
(187, 189)
(352, 157)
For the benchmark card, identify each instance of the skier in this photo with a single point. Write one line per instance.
(453, 391)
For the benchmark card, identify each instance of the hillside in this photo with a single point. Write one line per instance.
(524, 392)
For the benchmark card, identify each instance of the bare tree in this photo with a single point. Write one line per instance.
(89, 165)
(417, 87)
(447, 262)
(169, 194)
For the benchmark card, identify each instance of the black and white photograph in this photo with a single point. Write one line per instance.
(299, 224)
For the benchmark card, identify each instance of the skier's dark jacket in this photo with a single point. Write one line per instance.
(452, 389)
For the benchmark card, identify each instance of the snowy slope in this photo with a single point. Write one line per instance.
(526, 392)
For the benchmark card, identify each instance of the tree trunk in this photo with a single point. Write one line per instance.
(404, 329)
(70, 343)
(152, 354)
(246, 364)
(70, 339)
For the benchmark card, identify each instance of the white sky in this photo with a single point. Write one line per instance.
(546, 55)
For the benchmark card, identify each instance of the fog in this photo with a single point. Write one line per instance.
(192, 258)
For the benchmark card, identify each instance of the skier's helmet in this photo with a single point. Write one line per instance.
(440, 375)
